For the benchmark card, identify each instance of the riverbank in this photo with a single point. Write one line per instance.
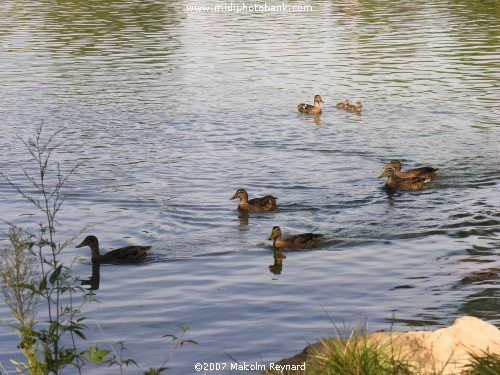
(443, 351)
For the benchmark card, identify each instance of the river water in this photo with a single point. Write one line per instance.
(171, 111)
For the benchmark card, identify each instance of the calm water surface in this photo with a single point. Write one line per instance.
(171, 111)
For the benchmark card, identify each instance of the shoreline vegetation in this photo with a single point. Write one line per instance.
(469, 346)
(44, 297)
(36, 282)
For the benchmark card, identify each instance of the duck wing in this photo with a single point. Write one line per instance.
(304, 108)
(128, 254)
(426, 172)
(266, 203)
(304, 240)
(413, 183)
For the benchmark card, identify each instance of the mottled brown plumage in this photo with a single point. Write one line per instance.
(128, 254)
(311, 109)
(354, 108)
(343, 105)
(427, 172)
(262, 204)
(298, 241)
(393, 182)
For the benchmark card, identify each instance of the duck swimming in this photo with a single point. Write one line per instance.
(128, 254)
(427, 172)
(311, 109)
(343, 105)
(298, 241)
(354, 108)
(262, 204)
(393, 182)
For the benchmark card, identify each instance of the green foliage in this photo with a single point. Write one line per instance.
(33, 277)
(356, 355)
(18, 272)
(483, 364)
(34, 280)
(178, 342)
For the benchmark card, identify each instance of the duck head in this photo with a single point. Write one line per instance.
(89, 241)
(388, 172)
(240, 193)
(276, 233)
(317, 99)
(394, 164)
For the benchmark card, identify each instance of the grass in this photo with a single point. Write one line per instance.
(483, 364)
(352, 352)
(356, 355)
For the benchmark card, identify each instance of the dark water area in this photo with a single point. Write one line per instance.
(172, 111)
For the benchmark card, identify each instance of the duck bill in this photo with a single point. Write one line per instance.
(388, 166)
(273, 236)
(233, 197)
(382, 175)
(81, 245)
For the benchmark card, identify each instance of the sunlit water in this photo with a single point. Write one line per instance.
(171, 111)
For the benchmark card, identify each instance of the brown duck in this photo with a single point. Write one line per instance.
(393, 182)
(262, 204)
(343, 105)
(427, 172)
(298, 241)
(354, 108)
(129, 254)
(311, 109)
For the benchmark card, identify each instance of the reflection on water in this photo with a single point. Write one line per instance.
(244, 219)
(94, 280)
(171, 111)
(277, 267)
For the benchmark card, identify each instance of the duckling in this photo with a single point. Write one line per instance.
(343, 105)
(354, 108)
(311, 109)
(128, 254)
(298, 241)
(393, 182)
(427, 172)
(262, 204)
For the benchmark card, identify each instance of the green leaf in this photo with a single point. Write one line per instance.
(130, 362)
(80, 334)
(184, 327)
(102, 353)
(55, 274)
(97, 355)
(43, 285)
